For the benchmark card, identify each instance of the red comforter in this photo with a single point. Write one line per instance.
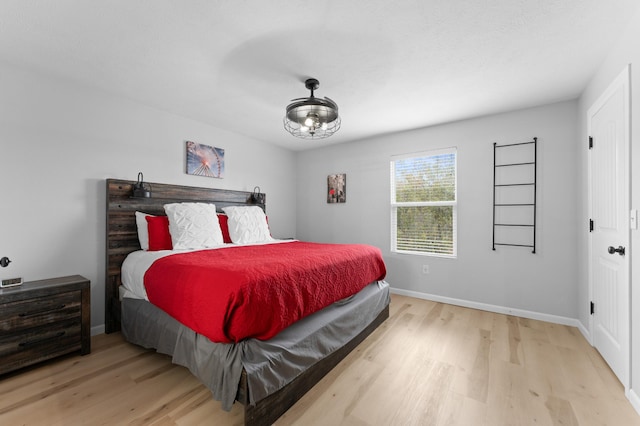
(235, 293)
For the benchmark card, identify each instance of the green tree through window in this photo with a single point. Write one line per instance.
(423, 203)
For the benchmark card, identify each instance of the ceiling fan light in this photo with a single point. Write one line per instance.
(311, 120)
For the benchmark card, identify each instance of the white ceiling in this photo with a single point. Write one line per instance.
(390, 65)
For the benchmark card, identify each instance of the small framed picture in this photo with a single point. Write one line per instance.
(337, 188)
(205, 160)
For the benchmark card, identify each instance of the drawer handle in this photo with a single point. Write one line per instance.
(41, 311)
(37, 341)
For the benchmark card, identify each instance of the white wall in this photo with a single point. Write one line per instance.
(59, 141)
(626, 51)
(513, 278)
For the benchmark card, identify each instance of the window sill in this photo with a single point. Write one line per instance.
(417, 253)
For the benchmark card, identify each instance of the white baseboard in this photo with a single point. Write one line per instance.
(98, 329)
(585, 332)
(633, 398)
(494, 308)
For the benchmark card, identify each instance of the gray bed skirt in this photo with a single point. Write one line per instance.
(271, 364)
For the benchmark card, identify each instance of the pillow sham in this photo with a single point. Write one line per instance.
(193, 225)
(247, 224)
(143, 233)
(159, 236)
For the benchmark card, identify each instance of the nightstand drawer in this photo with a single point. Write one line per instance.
(23, 314)
(40, 343)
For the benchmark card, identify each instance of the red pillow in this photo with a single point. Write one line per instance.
(159, 236)
(224, 227)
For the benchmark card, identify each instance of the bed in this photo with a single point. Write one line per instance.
(266, 376)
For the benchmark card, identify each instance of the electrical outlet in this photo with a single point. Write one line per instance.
(425, 269)
(10, 282)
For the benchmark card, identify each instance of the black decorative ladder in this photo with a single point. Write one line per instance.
(524, 198)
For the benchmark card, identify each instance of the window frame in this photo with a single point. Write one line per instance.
(452, 203)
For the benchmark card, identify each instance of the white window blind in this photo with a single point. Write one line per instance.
(423, 203)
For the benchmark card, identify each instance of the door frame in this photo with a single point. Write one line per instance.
(622, 80)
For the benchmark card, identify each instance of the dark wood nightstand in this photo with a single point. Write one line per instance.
(44, 319)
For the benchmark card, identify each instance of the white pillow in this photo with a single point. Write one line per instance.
(247, 224)
(143, 230)
(193, 225)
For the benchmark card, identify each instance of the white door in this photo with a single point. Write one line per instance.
(608, 121)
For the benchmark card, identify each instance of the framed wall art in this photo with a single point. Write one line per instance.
(205, 160)
(337, 188)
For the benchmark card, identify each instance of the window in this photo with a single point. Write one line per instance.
(423, 203)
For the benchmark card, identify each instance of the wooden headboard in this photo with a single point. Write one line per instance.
(122, 234)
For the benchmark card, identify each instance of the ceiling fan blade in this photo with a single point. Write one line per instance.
(332, 101)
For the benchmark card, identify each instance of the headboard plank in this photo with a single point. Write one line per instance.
(121, 230)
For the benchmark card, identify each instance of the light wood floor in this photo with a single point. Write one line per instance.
(428, 364)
